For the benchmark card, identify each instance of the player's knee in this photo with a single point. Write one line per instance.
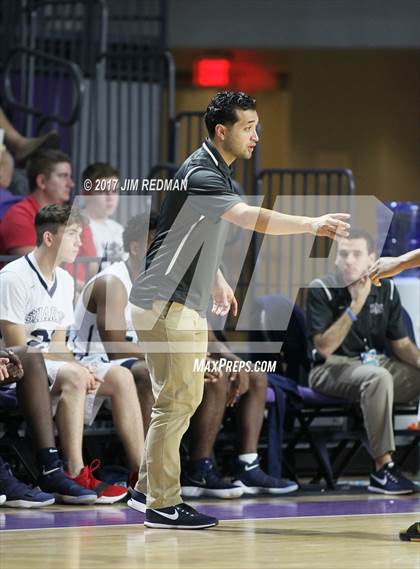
(258, 382)
(120, 380)
(74, 378)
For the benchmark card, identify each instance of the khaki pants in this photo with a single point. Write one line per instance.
(375, 387)
(178, 391)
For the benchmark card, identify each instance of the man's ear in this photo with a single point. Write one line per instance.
(47, 238)
(220, 131)
(41, 181)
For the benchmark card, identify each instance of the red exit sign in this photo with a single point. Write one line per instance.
(240, 74)
(212, 72)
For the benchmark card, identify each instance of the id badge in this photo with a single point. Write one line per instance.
(369, 358)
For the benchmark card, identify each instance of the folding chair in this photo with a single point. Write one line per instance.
(294, 356)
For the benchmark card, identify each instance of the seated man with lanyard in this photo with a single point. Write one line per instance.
(349, 321)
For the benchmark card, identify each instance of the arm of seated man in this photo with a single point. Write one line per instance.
(406, 351)
(13, 334)
(109, 300)
(59, 351)
(331, 339)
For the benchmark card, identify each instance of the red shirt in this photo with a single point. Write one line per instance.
(18, 225)
(18, 230)
(2, 251)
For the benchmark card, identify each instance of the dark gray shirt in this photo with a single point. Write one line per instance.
(183, 259)
(380, 318)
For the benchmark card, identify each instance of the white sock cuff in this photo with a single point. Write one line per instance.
(248, 457)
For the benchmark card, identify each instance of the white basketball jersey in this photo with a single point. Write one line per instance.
(85, 339)
(27, 298)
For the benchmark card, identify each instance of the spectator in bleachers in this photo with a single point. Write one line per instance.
(349, 323)
(7, 199)
(103, 327)
(101, 202)
(36, 307)
(50, 182)
(21, 146)
(34, 402)
(247, 391)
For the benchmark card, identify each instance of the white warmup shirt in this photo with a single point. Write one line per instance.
(108, 238)
(27, 298)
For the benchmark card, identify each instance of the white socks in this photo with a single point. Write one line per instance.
(248, 457)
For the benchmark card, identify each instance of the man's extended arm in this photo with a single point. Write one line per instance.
(272, 222)
(386, 267)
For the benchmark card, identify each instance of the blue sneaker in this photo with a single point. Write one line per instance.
(389, 480)
(202, 479)
(64, 488)
(137, 500)
(180, 516)
(20, 495)
(253, 480)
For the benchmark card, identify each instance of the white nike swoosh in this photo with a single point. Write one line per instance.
(250, 467)
(45, 472)
(174, 516)
(198, 482)
(381, 481)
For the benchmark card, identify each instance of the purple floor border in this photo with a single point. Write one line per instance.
(121, 515)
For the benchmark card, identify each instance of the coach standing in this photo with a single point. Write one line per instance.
(171, 297)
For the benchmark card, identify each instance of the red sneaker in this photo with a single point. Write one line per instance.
(107, 493)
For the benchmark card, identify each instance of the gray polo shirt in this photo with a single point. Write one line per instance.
(183, 259)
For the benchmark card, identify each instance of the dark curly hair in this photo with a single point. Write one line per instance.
(221, 109)
(137, 227)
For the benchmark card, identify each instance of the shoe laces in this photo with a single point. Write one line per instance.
(186, 509)
(392, 472)
(93, 466)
